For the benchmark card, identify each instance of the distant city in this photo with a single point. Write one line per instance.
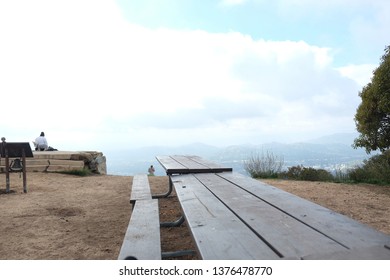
(333, 153)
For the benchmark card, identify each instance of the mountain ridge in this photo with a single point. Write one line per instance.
(329, 152)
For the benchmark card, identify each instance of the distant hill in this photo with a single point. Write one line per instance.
(340, 138)
(329, 152)
(328, 156)
(133, 161)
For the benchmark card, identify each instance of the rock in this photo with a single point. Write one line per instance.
(98, 164)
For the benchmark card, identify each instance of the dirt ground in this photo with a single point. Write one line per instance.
(68, 217)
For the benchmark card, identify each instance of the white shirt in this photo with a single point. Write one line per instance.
(41, 142)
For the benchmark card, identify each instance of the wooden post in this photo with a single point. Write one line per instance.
(6, 170)
(24, 171)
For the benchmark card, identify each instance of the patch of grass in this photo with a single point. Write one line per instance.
(77, 172)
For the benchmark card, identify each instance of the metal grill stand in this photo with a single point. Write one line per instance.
(19, 151)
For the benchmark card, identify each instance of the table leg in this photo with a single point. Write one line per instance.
(176, 223)
(170, 188)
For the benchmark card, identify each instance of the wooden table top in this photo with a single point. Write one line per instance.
(232, 216)
(181, 164)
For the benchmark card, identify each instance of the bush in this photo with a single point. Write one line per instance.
(312, 174)
(342, 176)
(307, 174)
(293, 172)
(375, 170)
(264, 165)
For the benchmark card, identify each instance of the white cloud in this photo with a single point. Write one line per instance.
(361, 74)
(81, 73)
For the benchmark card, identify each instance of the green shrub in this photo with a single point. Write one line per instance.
(293, 172)
(312, 174)
(342, 176)
(375, 170)
(300, 172)
(264, 165)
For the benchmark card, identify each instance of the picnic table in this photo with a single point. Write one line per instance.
(232, 216)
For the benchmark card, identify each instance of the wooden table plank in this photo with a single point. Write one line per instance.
(289, 236)
(180, 164)
(212, 166)
(364, 253)
(190, 164)
(170, 165)
(218, 233)
(346, 231)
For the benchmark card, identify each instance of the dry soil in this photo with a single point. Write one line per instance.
(68, 217)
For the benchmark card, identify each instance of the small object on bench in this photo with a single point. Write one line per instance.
(142, 238)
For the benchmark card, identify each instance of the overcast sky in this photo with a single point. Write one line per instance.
(128, 73)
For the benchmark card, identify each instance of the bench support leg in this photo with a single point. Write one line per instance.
(180, 253)
(167, 193)
(176, 254)
(176, 223)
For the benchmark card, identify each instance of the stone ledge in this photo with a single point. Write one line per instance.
(65, 160)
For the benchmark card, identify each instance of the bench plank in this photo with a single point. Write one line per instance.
(289, 236)
(218, 234)
(140, 189)
(345, 230)
(142, 238)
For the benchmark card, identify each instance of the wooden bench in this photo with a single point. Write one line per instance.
(232, 216)
(140, 189)
(142, 238)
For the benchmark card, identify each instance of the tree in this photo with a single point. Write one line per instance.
(373, 114)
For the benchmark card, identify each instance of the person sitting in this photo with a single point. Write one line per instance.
(151, 170)
(40, 143)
